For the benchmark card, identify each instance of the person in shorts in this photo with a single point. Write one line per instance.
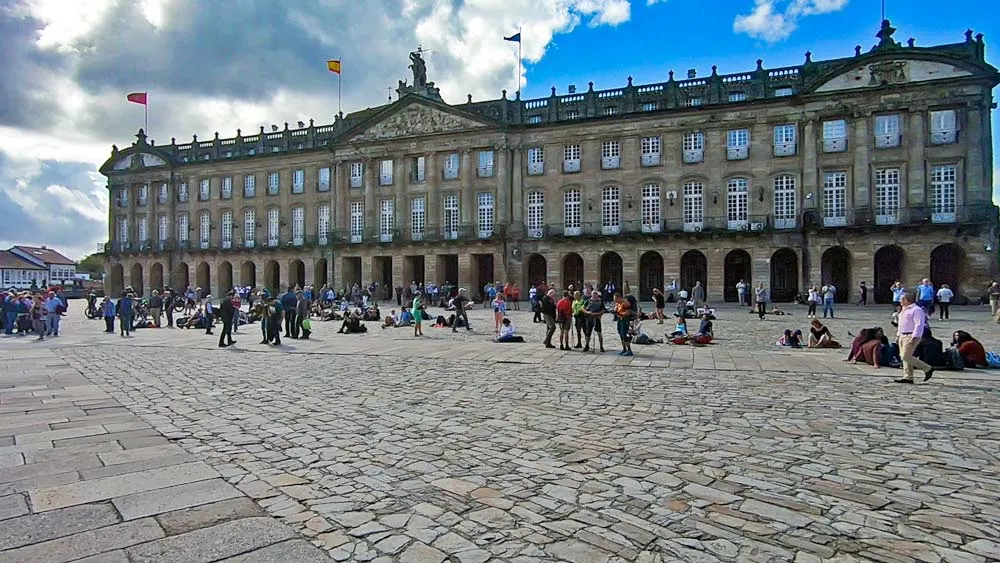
(623, 315)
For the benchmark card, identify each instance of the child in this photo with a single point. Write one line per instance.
(507, 332)
(680, 328)
(499, 311)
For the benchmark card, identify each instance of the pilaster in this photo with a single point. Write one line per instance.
(862, 169)
(517, 189)
(465, 273)
(371, 206)
(916, 136)
(809, 167)
(467, 195)
(503, 183)
(367, 269)
(977, 167)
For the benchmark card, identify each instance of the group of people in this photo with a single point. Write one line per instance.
(26, 312)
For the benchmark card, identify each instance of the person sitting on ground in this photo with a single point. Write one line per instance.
(820, 336)
(352, 324)
(643, 338)
(196, 320)
(871, 353)
(790, 339)
(864, 335)
(972, 351)
(508, 332)
(440, 322)
(390, 320)
(680, 327)
(405, 317)
(705, 332)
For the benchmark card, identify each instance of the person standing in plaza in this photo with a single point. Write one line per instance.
(993, 292)
(39, 311)
(564, 318)
(548, 310)
(499, 312)
(536, 307)
(863, 291)
(814, 300)
(897, 290)
(925, 296)
(911, 325)
(461, 302)
(227, 313)
(659, 303)
(594, 310)
(276, 312)
(209, 314)
(168, 304)
(623, 316)
(829, 293)
(124, 310)
(944, 297)
(288, 301)
(237, 306)
(155, 307)
(418, 313)
(742, 290)
(697, 293)
(302, 306)
(108, 312)
(761, 298)
(515, 295)
(579, 317)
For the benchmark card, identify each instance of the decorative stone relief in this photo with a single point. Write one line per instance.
(152, 160)
(124, 163)
(416, 119)
(892, 72)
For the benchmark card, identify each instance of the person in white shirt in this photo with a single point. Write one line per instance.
(742, 288)
(944, 297)
(508, 333)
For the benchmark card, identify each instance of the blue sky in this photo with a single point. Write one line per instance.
(210, 67)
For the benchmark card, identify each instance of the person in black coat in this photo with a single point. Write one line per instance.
(227, 313)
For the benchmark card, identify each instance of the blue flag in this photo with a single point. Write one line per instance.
(515, 38)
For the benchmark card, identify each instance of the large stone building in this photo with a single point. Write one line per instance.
(874, 167)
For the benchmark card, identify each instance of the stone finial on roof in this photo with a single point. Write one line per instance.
(760, 64)
(310, 122)
(715, 70)
(671, 79)
(194, 138)
(590, 86)
(216, 135)
(857, 50)
(553, 90)
(809, 57)
(239, 132)
(140, 137)
(503, 94)
(910, 42)
(968, 35)
(468, 98)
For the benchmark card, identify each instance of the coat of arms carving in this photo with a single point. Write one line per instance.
(891, 72)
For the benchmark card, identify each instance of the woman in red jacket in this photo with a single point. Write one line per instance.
(972, 351)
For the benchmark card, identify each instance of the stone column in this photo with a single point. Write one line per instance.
(371, 206)
(259, 276)
(671, 264)
(978, 167)
(341, 188)
(715, 260)
(401, 185)
(399, 263)
(591, 268)
(465, 273)
(430, 269)
(432, 197)
(809, 167)
(367, 269)
(467, 199)
(503, 183)
(517, 190)
(916, 137)
(308, 268)
(237, 273)
(862, 172)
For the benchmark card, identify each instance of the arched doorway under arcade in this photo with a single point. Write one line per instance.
(888, 263)
(737, 266)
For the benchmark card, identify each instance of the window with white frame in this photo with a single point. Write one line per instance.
(323, 223)
(536, 161)
(164, 193)
(357, 174)
(183, 227)
(611, 155)
(648, 106)
(204, 229)
(204, 190)
(649, 148)
(610, 110)
(249, 186)
(123, 232)
(385, 172)
(835, 135)
(944, 193)
(485, 169)
(572, 114)
(887, 188)
(737, 97)
(418, 218)
(784, 139)
(298, 225)
(834, 199)
(536, 214)
(419, 169)
(273, 226)
(692, 102)
(357, 220)
(142, 229)
(783, 91)
(611, 210)
(650, 208)
(273, 183)
(323, 179)
(386, 220)
(226, 191)
(450, 219)
(738, 204)
(227, 229)
(737, 144)
(944, 127)
(693, 206)
(534, 119)
(785, 202)
(143, 194)
(693, 147)
(572, 212)
(571, 158)
(485, 214)
(182, 192)
(249, 227)
(298, 181)
(451, 166)
(887, 131)
(162, 228)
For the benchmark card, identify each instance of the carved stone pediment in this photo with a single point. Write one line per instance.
(891, 72)
(414, 120)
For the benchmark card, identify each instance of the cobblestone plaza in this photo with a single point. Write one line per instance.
(383, 447)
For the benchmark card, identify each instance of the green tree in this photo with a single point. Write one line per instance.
(93, 265)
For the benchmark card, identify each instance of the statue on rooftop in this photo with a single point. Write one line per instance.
(419, 68)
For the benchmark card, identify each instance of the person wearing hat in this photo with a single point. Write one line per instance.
(226, 312)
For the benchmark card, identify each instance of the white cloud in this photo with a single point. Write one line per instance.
(774, 20)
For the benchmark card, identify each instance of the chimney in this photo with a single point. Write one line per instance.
(692, 73)
(572, 88)
(43, 247)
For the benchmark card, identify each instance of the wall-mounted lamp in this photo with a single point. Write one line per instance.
(628, 200)
(715, 198)
(671, 196)
(988, 247)
(590, 204)
(809, 196)
(760, 194)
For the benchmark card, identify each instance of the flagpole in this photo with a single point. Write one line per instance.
(145, 115)
(519, 39)
(340, 82)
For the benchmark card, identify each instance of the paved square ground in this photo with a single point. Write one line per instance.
(383, 447)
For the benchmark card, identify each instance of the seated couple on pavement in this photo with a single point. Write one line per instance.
(680, 334)
(352, 323)
(403, 318)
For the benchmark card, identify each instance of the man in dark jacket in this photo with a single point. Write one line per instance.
(549, 312)
(288, 301)
(302, 306)
(227, 312)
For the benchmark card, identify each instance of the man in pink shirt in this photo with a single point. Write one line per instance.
(911, 324)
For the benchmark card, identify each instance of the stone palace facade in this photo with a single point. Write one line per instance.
(874, 167)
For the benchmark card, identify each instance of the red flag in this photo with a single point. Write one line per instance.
(137, 98)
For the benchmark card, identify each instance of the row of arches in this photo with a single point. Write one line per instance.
(223, 280)
(947, 265)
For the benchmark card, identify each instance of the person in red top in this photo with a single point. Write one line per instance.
(564, 318)
(515, 296)
(972, 351)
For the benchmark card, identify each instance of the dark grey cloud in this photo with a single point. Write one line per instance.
(27, 95)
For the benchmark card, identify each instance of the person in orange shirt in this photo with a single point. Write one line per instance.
(624, 313)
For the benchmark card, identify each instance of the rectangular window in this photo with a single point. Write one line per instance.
(164, 194)
(385, 172)
(162, 228)
(694, 206)
(273, 227)
(204, 191)
(451, 166)
(386, 220)
(273, 183)
(572, 114)
(572, 213)
(887, 131)
(611, 155)
(944, 188)
(142, 229)
(782, 92)
(323, 224)
(887, 190)
(692, 102)
(182, 192)
(249, 186)
(418, 218)
(534, 119)
(737, 97)
(693, 147)
(357, 174)
(650, 151)
(648, 106)
(298, 181)
(227, 229)
(611, 110)
(571, 158)
(249, 227)
(784, 139)
(737, 144)
(485, 169)
(450, 219)
(536, 161)
(835, 135)
(204, 229)
(143, 194)
(834, 199)
(651, 217)
(226, 192)
(611, 211)
(357, 220)
(536, 214)
(123, 232)
(737, 204)
(785, 202)
(418, 170)
(183, 228)
(484, 217)
(298, 225)
(323, 179)
(944, 127)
